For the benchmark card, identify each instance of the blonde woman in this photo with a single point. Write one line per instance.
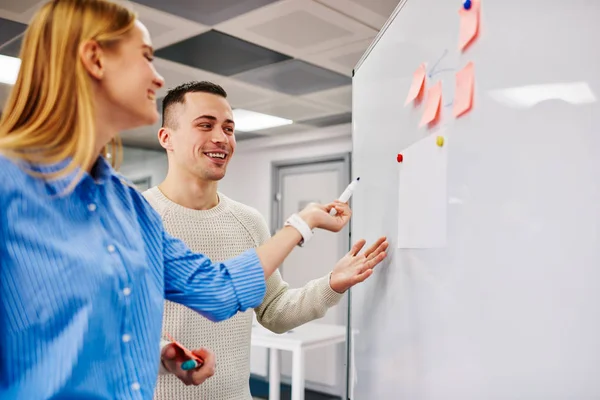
(85, 263)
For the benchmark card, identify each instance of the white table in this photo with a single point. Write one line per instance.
(308, 336)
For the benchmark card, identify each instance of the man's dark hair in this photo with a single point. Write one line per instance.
(177, 96)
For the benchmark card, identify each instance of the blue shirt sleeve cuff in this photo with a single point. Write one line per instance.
(248, 279)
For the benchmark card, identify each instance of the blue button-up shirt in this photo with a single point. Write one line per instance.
(83, 277)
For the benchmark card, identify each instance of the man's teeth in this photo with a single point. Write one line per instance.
(216, 155)
(151, 96)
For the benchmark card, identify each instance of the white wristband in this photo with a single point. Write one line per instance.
(295, 221)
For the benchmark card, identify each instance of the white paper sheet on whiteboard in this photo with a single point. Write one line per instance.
(422, 196)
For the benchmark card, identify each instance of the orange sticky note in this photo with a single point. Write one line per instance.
(418, 84)
(432, 104)
(463, 94)
(187, 352)
(469, 24)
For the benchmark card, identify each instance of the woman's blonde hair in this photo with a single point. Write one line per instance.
(49, 116)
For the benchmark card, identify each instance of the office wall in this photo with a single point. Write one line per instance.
(142, 163)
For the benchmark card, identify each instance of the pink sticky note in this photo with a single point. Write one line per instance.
(463, 94)
(469, 24)
(418, 84)
(433, 102)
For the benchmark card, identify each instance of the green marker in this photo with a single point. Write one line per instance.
(189, 365)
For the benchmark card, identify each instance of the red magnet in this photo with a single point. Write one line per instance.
(399, 158)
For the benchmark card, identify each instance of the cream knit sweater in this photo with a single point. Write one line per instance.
(221, 233)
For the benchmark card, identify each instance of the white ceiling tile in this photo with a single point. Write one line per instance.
(341, 59)
(339, 97)
(373, 13)
(19, 10)
(286, 129)
(175, 74)
(291, 30)
(245, 95)
(164, 28)
(348, 60)
(297, 109)
(384, 8)
(18, 6)
(297, 27)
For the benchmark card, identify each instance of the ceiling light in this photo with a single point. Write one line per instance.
(249, 121)
(9, 69)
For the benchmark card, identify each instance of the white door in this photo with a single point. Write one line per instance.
(295, 186)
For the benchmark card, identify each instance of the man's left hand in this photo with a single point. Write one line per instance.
(354, 268)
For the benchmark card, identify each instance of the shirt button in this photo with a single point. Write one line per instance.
(135, 386)
(92, 207)
(127, 291)
(126, 338)
(110, 248)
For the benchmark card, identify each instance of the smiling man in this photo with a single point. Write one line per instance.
(198, 135)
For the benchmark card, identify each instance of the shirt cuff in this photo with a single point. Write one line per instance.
(161, 368)
(248, 279)
(328, 296)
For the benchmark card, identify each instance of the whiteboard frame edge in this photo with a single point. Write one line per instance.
(379, 35)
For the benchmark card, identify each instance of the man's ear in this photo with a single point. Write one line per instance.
(92, 57)
(164, 138)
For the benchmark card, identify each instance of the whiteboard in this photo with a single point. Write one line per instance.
(509, 306)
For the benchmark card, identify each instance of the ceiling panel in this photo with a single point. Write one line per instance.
(166, 29)
(297, 27)
(342, 59)
(208, 12)
(17, 7)
(290, 29)
(373, 13)
(220, 53)
(176, 74)
(244, 95)
(329, 120)
(12, 48)
(241, 136)
(340, 97)
(19, 10)
(10, 29)
(286, 129)
(296, 109)
(384, 8)
(294, 77)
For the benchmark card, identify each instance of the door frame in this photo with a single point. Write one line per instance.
(316, 162)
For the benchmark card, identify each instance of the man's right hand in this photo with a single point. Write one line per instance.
(173, 357)
(317, 216)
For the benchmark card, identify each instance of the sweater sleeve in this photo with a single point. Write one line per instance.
(161, 367)
(283, 308)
